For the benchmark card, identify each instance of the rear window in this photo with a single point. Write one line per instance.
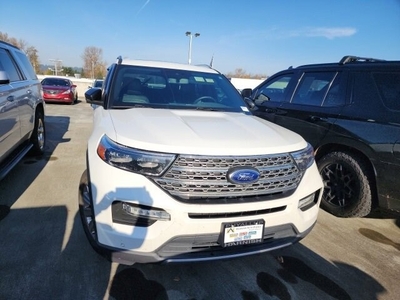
(388, 85)
(8, 65)
(31, 75)
(98, 83)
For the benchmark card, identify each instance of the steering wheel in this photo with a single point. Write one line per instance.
(205, 99)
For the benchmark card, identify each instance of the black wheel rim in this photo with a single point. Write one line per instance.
(341, 188)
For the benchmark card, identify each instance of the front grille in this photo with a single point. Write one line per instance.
(52, 92)
(197, 177)
(225, 215)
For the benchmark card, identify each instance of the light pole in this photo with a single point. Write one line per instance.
(190, 35)
(56, 63)
(92, 69)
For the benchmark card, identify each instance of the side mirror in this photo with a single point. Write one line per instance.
(93, 96)
(250, 103)
(246, 93)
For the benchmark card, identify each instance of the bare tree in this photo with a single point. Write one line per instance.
(32, 54)
(4, 37)
(93, 64)
(30, 51)
(240, 73)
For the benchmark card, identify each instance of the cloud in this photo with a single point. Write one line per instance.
(274, 33)
(326, 32)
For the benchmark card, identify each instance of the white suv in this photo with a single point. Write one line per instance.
(179, 170)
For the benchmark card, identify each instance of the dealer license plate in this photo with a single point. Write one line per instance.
(242, 233)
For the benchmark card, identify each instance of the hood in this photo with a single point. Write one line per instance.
(199, 132)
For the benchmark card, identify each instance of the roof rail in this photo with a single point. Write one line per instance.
(119, 60)
(204, 65)
(349, 58)
(14, 46)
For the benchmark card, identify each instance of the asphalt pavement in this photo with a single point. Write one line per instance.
(44, 253)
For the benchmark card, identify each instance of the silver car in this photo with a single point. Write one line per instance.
(22, 109)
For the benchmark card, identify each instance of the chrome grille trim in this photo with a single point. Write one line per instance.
(193, 176)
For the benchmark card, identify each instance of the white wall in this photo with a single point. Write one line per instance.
(243, 83)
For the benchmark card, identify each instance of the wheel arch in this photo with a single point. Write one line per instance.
(39, 108)
(363, 153)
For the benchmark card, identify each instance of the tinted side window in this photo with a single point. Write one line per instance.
(7, 64)
(27, 65)
(365, 94)
(313, 88)
(336, 93)
(388, 85)
(275, 90)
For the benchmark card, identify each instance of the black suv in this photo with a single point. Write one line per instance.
(350, 112)
(22, 109)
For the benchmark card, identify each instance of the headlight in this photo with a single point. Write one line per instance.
(304, 158)
(133, 160)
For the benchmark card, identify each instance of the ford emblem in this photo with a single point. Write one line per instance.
(243, 175)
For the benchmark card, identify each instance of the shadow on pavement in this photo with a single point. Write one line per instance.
(44, 257)
(21, 177)
(291, 273)
(34, 265)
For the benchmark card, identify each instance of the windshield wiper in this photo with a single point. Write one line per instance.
(129, 106)
(208, 108)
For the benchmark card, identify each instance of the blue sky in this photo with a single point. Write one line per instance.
(258, 36)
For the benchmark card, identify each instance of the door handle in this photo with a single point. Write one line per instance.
(281, 112)
(314, 119)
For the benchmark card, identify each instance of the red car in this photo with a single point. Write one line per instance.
(59, 90)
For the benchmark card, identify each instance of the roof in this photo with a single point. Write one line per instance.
(8, 44)
(168, 65)
(352, 61)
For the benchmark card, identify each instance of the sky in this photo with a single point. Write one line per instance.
(257, 36)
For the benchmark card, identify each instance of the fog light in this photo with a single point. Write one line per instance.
(307, 202)
(151, 213)
(137, 215)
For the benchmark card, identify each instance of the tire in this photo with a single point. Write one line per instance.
(38, 138)
(347, 186)
(87, 215)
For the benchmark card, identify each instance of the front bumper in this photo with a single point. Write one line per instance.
(58, 98)
(185, 238)
(274, 238)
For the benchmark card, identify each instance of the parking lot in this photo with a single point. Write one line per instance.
(44, 253)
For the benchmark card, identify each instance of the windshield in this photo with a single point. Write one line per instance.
(56, 82)
(169, 88)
